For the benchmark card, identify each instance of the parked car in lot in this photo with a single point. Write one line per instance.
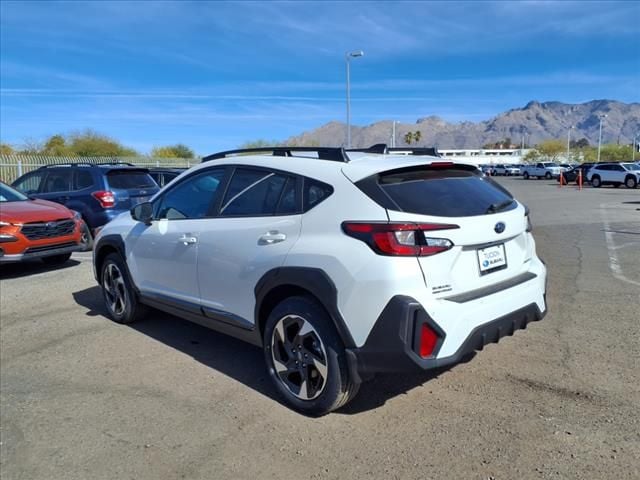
(546, 170)
(572, 174)
(615, 174)
(337, 267)
(505, 170)
(162, 176)
(99, 192)
(32, 228)
(486, 169)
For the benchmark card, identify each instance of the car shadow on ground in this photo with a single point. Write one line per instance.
(242, 361)
(31, 267)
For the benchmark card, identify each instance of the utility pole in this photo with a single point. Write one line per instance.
(602, 117)
(348, 57)
(393, 134)
(569, 142)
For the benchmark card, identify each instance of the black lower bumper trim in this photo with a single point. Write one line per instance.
(391, 346)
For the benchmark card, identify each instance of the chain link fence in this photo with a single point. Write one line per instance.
(13, 166)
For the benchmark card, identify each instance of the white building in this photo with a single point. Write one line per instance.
(486, 156)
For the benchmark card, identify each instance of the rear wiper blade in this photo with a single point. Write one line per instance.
(498, 207)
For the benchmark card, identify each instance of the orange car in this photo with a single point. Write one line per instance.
(36, 229)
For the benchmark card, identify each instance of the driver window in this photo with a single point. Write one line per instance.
(191, 198)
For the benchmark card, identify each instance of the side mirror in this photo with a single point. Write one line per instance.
(143, 212)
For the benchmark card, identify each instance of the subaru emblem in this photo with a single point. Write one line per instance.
(499, 228)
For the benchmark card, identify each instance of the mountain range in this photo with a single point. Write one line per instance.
(532, 124)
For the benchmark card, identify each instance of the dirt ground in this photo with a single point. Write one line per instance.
(84, 398)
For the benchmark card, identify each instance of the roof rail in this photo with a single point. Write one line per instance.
(67, 164)
(85, 164)
(336, 154)
(115, 163)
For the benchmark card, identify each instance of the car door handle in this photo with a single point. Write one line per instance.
(272, 237)
(187, 240)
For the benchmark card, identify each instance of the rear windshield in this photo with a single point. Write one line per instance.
(126, 179)
(445, 192)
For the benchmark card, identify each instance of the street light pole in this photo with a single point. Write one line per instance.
(635, 143)
(348, 56)
(569, 142)
(602, 117)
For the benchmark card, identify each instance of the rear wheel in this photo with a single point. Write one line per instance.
(547, 175)
(117, 291)
(630, 182)
(57, 259)
(526, 175)
(305, 357)
(596, 182)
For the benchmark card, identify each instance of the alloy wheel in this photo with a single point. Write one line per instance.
(299, 357)
(114, 289)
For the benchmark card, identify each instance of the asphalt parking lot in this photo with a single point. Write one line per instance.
(85, 398)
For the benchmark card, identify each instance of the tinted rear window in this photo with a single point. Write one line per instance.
(130, 179)
(444, 192)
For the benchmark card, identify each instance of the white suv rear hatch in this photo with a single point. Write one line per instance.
(489, 245)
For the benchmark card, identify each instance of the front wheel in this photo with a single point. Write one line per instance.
(630, 182)
(117, 291)
(86, 239)
(305, 357)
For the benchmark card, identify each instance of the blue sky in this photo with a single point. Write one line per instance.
(216, 74)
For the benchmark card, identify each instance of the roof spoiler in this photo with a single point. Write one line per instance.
(382, 148)
(336, 154)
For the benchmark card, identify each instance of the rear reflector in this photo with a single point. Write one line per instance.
(428, 340)
(106, 198)
(400, 239)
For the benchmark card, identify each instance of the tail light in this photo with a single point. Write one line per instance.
(400, 239)
(106, 198)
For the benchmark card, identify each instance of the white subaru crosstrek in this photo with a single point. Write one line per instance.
(337, 267)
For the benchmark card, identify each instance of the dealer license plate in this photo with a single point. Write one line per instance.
(491, 258)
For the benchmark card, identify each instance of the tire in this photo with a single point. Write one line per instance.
(57, 259)
(548, 175)
(630, 182)
(525, 175)
(119, 297)
(87, 238)
(315, 388)
(596, 182)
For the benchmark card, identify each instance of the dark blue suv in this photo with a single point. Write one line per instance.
(99, 192)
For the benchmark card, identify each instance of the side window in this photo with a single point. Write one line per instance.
(58, 181)
(253, 193)
(314, 192)
(84, 179)
(539, 165)
(619, 168)
(30, 183)
(192, 197)
(288, 203)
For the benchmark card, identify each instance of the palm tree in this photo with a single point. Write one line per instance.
(417, 136)
(408, 138)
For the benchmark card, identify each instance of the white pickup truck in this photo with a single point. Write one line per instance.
(546, 170)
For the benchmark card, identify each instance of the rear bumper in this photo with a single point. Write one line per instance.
(392, 345)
